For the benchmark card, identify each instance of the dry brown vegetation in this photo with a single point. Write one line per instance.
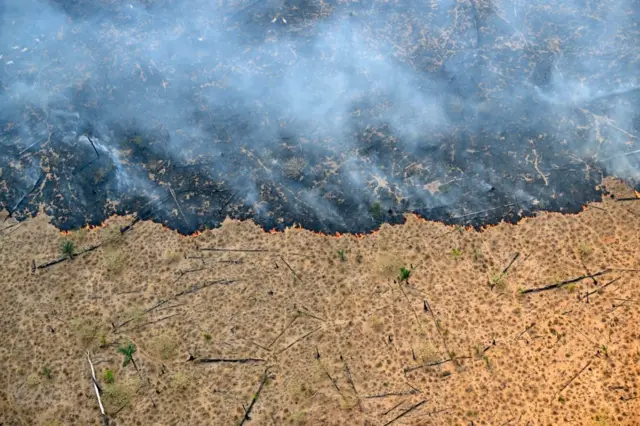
(304, 335)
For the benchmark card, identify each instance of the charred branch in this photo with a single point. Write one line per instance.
(247, 413)
(62, 259)
(404, 413)
(566, 282)
(228, 360)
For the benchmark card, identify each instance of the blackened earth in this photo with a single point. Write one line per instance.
(507, 150)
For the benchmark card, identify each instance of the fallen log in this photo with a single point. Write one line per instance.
(232, 250)
(566, 282)
(385, 395)
(598, 290)
(432, 364)
(404, 413)
(96, 388)
(228, 360)
(575, 376)
(247, 412)
(62, 259)
(392, 408)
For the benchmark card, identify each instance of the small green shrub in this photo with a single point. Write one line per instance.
(404, 274)
(456, 252)
(46, 372)
(341, 255)
(486, 361)
(497, 280)
(128, 350)
(67, 248)
(108, 376)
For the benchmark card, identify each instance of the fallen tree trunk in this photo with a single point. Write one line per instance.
(96, 388)
(231, 360)
(563, 283)
(62, 259)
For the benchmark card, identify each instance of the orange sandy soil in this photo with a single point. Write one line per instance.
(342, 342)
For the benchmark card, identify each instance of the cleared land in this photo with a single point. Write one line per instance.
(301, 328)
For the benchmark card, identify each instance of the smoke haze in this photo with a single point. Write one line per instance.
(333, 115)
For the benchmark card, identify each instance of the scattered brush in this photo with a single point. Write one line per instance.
(604, 350)
(486, 362)
(341, 255)
(108, 376)
(67, 248)
(127, 351)
(46, 372)
(404, 274)
(498, 280)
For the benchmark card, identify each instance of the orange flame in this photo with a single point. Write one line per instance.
(86, 228)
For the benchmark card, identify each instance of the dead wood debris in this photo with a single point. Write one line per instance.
(64, 258)
(563, 283)
(407, 411)
(227, 360)
(247, 413)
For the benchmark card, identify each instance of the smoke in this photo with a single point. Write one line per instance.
(333, 115)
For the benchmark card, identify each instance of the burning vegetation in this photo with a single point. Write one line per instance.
(337, 116)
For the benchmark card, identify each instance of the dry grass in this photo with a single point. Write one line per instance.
(342, 334)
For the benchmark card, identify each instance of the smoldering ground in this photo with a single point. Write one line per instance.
(332, 115)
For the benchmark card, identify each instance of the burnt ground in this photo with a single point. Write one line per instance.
(514, 137)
